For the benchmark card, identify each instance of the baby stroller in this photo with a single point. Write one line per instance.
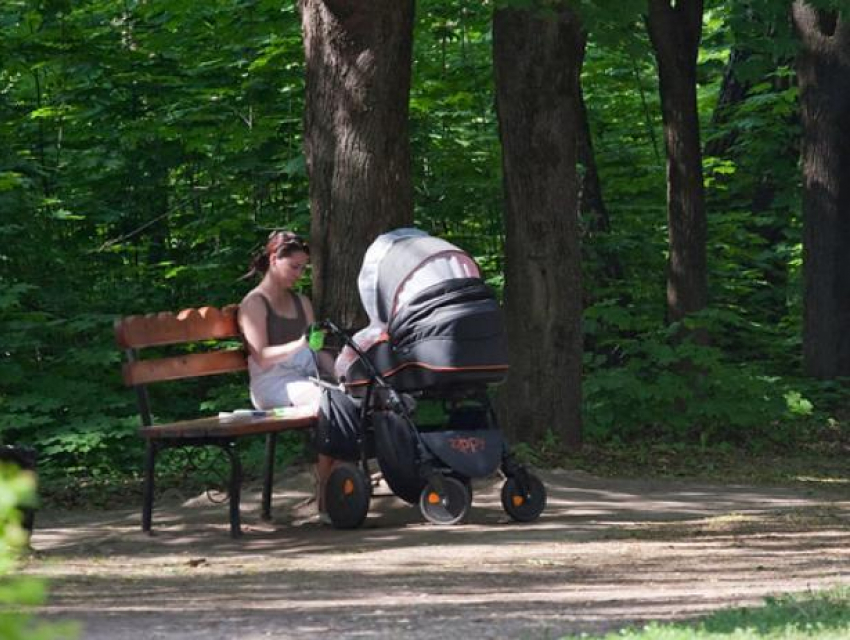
(436, 334)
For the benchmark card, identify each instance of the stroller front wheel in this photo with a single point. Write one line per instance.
(347, 495)
(445, 505)
(524, 504)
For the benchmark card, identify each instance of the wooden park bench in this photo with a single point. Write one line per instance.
(216, 328)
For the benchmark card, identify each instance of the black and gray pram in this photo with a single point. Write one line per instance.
(436, 334)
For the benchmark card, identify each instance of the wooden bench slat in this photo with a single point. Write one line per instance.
(213, 427)
(188, 366)
(189, 325)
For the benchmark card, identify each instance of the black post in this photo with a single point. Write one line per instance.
(235, 488)
(268, 477)
(147, 491)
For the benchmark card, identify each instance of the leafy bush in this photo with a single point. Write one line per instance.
(659, 385)
(18, 489)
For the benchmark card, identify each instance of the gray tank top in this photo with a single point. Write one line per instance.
(282, 329)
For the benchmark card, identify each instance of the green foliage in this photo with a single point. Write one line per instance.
(17, 489)
(816, 615)
(663, 387)
(454, 140)
(147, 147)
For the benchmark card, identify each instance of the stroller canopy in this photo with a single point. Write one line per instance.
(433, 322)
(400, 264)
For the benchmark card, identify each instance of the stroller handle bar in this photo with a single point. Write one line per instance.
(374, 374)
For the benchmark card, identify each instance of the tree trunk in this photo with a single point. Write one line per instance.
(537, 60)
(358, 55)
(675, 29)
(591, 203)
(732, 93)
(594, 214)
(823, 69)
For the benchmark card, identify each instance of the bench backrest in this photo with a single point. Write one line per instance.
(190, 325)
(134, 333)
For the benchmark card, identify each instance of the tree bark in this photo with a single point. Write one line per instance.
(358, 55)
(675, 29)
(823, 70)
(537, 61)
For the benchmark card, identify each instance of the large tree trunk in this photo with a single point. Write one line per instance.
(675, 29)
(537, 60)
(823, 69)
(358, 55)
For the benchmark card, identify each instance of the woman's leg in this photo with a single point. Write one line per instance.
(306, 393)
(324, 467)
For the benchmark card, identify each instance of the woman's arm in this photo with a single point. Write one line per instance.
(252, 322)
(324, 358)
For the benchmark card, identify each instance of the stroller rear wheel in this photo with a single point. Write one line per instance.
(445, 505)
(524, 504)
(347, 495)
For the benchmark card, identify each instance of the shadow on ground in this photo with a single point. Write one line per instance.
(605, 554)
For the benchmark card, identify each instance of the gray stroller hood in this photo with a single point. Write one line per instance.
(435, 323)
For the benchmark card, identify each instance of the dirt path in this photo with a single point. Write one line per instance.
(605, 554)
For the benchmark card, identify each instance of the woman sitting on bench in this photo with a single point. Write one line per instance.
(273, 320)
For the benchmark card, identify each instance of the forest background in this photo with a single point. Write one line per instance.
(147, 148)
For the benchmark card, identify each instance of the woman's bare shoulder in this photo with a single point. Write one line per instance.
(252, 302)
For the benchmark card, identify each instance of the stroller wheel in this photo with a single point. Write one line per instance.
(347, 494)
(466, 482)
(448, 506)
(524, 506)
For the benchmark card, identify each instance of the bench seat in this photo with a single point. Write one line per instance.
(215, 427)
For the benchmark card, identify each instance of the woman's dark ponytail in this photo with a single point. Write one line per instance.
(280, 243)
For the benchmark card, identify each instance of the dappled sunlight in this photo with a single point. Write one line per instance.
(606, 552)
(580, 508)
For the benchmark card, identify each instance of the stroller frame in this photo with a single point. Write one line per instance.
(446, 495)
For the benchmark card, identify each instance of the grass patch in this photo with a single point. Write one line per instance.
(822, 615)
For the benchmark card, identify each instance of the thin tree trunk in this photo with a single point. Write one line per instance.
(732, 93)
(537, 61)
(591, 203)
(675, 29)
(358, 55)
(594, 214)
(823, 70)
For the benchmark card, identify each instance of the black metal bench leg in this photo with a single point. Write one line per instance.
(147, 497)
(235, 489)
(268, 476)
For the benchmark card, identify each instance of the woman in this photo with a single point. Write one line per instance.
(273, 320)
